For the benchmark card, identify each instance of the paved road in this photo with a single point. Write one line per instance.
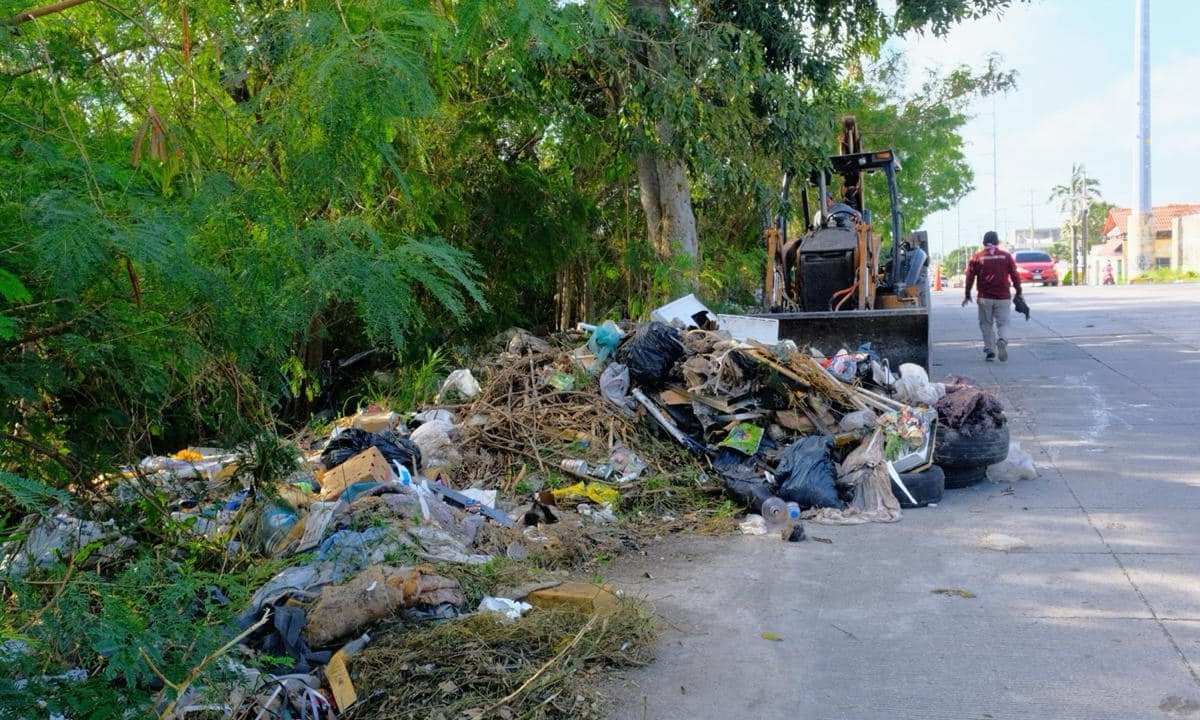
(1098, 619)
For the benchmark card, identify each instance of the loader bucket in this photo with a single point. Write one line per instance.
(900, 335)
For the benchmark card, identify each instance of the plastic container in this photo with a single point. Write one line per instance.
(775, 512)
(781, 516)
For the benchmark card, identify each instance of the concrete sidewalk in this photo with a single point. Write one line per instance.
(1098, 619)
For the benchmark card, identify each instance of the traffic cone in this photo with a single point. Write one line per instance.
(937, 278)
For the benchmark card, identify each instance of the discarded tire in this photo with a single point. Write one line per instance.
(926, 487)
(961, 477)
(954, 449)
(964, 458)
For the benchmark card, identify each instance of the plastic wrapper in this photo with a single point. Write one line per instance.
(1018, 465)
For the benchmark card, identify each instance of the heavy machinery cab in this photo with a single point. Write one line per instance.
(835, 284)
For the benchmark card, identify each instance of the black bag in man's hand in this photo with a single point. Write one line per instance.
(1021, 306)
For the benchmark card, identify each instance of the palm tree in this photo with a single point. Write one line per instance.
(1076, 199)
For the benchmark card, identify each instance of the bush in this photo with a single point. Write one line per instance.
(1166, 275)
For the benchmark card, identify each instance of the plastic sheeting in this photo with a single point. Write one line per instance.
(865, 470)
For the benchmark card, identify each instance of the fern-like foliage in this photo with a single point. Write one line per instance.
(31, 495)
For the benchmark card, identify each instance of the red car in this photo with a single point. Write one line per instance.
(1035, 266)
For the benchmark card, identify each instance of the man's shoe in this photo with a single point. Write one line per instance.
(989, 355)
(1002, 346)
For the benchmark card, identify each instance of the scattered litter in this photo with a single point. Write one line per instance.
(1018, 465)
(954, 592)
(744, 437)
(459, 385)
(487, 498)
(595, 491)
(350, 442)
(580, 596)
(438, 443)
(373, 594)
(806, 473)
(651, 354)
(914, 387)
(753, 524)
(772, 636)
(375, 420)
(1002, 542)
(625, 463)
(510, 609)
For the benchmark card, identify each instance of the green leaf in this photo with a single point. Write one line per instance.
(12, 289)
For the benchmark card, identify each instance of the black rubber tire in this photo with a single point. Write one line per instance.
(926, 487)
(958, 478)
(954, 450)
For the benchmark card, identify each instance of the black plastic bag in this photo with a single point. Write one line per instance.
(1021, 306)
(352, 441)
(806, 473)
(741, 479)
(651, 353)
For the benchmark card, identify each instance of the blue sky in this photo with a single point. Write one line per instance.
(1074, 103)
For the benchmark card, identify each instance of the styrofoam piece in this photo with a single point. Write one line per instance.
(746, 328)
(681, 309)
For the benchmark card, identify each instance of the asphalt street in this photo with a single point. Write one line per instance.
(1097, 618)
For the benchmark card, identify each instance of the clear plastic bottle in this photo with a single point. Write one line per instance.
(781, 517)
(775, 512)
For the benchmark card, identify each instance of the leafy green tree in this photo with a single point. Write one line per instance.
(923, 127)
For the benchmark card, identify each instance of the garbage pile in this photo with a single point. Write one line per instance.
(531, 455)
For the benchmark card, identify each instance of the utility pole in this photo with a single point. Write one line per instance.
(1074, 228)
(1084, 201)
(995, 169)
(958, 224)
(1139, 240)
(1032, 224)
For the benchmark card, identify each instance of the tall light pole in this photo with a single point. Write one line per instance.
(1140, 238)
(995, 170)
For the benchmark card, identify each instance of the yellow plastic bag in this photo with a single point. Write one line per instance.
(597, 492)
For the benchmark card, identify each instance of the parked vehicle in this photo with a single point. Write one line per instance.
(1036, 266)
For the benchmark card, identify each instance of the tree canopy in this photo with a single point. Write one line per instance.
(210, 210)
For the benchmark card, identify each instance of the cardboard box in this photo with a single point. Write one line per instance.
(376, 421)
(366, 466)
(581, 596)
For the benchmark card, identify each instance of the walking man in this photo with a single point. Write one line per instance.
(994, 268)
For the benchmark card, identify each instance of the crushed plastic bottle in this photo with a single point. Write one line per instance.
(783, 518)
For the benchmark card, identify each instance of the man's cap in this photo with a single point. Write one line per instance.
(991, 238)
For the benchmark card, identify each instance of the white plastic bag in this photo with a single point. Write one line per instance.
(914, 387)
(1017, 466)
(460, 382)
(510, 609)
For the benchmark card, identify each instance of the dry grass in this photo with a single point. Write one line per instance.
(466, 668)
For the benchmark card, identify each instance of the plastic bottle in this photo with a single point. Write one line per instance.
(781, 517)
(775, 512)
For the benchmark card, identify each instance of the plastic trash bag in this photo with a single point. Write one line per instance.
(460, 383)
(806, 474)
(1021, 306)
(1017, 466)
(437, 443)
(273, 527)
(352, 441)
(914, 387)
(614, 386)
(509, 609)
(651, 353)
(857, 420)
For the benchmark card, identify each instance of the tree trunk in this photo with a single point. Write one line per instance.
(667, 202)
(662, 178)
